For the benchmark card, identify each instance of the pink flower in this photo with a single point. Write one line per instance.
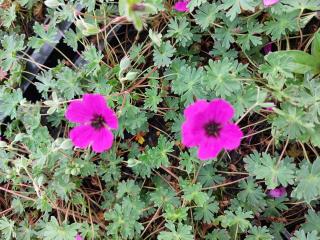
(277, 192)
(78, 237)
(95, 121)
(182, 6)
(267, 48)
(208, 127)
(269, 3)
(3, 74)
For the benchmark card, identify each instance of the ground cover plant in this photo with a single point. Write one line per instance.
(168, 120)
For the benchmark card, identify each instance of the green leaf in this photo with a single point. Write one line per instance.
(188, 84)
(250, 38)
(218, 234)
(182, 232)
(45, 83)
(180, 30)
(25, 231)
(277, 71)
(222, 77)
(176, 214)
(89, 4)
(206, 15)
(9, 102)
(301, 235)
(195, 3)
(7, 228)
(132, 119)
(68, 83)
(93, 59)
(162, 197)
(273, 172)
(44, 34)
(234, 7)
(308, 181)
(162, 55)
(208, 176)
(282, 24)
(71, 39)
(315, 46)
(224, 35)
(152, 99)
(259, 233)
(8, 16)
(128, 188)
(52, 230)
(123, 218)
(275, 207)
(193, 193)
(252, 195)
(207, 211)
(238, 219)
(301, 5)
(159, 154)
(300, 62)
(11, 45)
(291, 122)
(312, 222)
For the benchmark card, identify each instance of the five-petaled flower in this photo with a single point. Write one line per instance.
(182, 6)
(95, 121)
(268, 3)
(208, 126)
(277, 192)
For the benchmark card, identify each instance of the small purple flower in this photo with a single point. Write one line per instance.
(269, 3)
(267, 48)
(78, 237)
(208, 126)
(95, 121)
(277, 192)
(182, 6)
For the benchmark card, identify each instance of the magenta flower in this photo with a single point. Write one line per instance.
(208, 126)
(182, 6)
(95, 121)
(78, 237)
(277, 192)
(269, 3)
(267, 48)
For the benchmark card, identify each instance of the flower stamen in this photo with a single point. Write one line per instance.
(212, 129)
(97, 122)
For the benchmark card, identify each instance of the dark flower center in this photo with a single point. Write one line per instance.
(97, 122)
(212, 129)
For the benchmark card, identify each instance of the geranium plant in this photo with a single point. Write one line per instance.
(151, 119)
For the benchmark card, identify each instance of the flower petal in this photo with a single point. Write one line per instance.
(270, 2)
(209, 149)
(181, 6)
(94, 101)
(231, 136)
(110, 117)
(77, 112)
(220, 110)
(192, 133)
(102, 141)
(277, 192)
(78, 237)
(99, 106)
(195, 108)
(81, 136)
